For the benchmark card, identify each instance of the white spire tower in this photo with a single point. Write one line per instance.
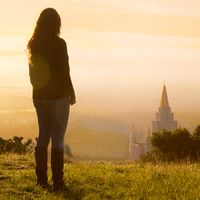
(164, 117)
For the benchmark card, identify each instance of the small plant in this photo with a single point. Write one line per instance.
(16, 145)
(68, 151)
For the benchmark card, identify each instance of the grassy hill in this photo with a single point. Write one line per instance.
(91, 144)
(102, 180)
(85, 143)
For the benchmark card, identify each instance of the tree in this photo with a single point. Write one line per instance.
(172, 145)
(195, 144)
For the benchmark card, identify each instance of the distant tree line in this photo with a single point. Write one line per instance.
(175, 146)
(19, 146)
(16, 145)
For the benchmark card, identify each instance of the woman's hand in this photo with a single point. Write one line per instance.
(72, 99)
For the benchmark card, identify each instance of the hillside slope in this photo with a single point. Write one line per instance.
(101, 180)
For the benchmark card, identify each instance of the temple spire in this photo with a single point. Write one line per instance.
(164, 116)
(164, 99)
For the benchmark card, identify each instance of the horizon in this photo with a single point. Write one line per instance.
(120, 54)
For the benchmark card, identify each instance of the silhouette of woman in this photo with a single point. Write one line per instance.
(52, 94)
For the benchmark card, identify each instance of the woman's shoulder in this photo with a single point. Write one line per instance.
(61, 45)
(61, 41)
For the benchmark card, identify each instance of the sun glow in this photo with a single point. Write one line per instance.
(114, 47)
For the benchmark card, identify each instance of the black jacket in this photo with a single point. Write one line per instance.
(49, 69)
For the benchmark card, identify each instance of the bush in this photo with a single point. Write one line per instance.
(178, 145)
(15, 145)
(68, 151)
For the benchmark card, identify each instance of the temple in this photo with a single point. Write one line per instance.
(164, 121)
(164, 116)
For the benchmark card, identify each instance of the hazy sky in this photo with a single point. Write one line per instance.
(120, 51)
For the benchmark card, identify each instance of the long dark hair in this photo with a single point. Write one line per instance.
(47, 26)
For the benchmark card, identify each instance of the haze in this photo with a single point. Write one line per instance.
(121, 54)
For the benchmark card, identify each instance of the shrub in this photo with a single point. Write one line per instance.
(68, 151)
(15, 145)
(178, 145)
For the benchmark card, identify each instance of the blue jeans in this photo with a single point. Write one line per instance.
(52, 120)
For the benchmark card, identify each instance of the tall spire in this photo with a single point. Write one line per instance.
(149, 132)
(133, 136)
(164, 116)
(164, 99)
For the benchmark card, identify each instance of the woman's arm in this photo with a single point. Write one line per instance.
(67, 74)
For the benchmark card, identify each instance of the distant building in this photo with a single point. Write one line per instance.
(164, 121)
(136, 149)
(164, 116)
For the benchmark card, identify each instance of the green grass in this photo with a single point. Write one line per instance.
(102, 180)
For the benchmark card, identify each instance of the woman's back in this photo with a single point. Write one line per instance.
(49, 68)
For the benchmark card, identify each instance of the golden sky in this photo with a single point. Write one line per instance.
(129, 46)
(168, 17)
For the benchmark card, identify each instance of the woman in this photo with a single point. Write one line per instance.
(52, 94)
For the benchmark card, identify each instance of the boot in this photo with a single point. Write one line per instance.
(57, 165)
(41, 166)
